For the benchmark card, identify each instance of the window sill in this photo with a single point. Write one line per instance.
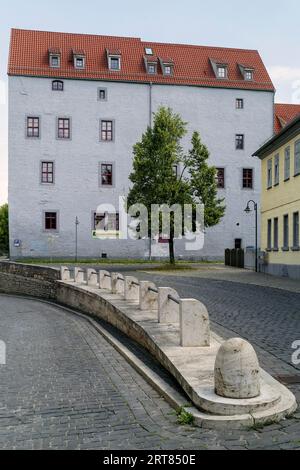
(277, 184)
(297, 174)
(269, 250)
(295, 248)
(275, 250)
(285, 248)
(286, 180)
(269, 187)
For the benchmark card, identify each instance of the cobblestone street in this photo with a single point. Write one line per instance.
(65, 387)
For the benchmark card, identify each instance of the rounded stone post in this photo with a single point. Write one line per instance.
(194, 324)
(92, 278)
(148, 298)
(132, 288)
(104, 280)
(168, 310)
(79, 275)
(237, 371)
(65, 274)
(117, 284)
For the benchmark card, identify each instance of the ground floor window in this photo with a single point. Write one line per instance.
(106, 222)
(50, 221)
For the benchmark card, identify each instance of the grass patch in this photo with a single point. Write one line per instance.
(184, 417)
(160, 265)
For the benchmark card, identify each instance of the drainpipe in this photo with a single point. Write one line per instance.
(150, 125)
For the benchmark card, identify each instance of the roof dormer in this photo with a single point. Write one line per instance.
(151, 64)
(79, 59)
(54, 58)
(114, 59)
(247, 72)
(167, 67)
(220, 69)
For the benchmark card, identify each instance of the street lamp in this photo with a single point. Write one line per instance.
(76, 238)
(248, 211)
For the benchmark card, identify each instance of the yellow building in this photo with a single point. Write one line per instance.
(280, 202)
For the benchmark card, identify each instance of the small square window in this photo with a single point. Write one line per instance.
(57, 85)
(148, 51)
(102, 94)
(239, 103)
(239, 141)
(50, 221)
(79, 62)
(168, 69)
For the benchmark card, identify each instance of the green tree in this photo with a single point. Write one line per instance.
(154, 180)
(4, 237)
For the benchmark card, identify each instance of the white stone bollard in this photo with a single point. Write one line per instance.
(65, 274)
(194, 324)
(148, 298)
(104, 280)
(117, 284)
(79, 275)
(92, 278)
(132, 288)
(168, 310)
(237, 371)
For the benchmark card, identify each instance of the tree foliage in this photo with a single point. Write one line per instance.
(153, 177)
(4, 237)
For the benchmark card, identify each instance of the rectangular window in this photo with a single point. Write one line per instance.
(239, 141)
(287, 164)
(276, 170)
(222, 71)
(152, 68)
(248, 75)
(33, 127)
(296, 240)
(64, 128)
(47, 172)
(168, 69)
(50, 220)
(114, 63)
(107, 131)
(248, 178)
(275, 246)
(220, 178)
(55, 61)
(297, 158)
(269, 234)
(106, 174)
(239, 103)
(285, 231)
(270, 173)
(79, 62)
(102, 94)
(57, 85)
(107, 222)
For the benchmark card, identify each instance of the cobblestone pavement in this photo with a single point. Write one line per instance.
(65, 387)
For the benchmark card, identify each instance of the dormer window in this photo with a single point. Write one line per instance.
(248, 75)
(114, 63)
(222, 71)
(152, 68)
(79, 59)
(54, 58)
(167, 66)
(246, 72)
(79, 63)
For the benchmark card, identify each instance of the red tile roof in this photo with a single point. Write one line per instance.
(284, 114)
(29, 57)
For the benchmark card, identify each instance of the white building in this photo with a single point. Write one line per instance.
(78, 104)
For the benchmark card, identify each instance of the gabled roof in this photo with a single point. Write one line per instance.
(29, 57)
(291, 130)
(284, 114)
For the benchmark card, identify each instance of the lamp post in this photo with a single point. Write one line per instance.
(76, 238)
(248, 210)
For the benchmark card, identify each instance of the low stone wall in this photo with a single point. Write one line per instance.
(23, 279)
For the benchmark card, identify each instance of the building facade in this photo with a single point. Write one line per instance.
(280, 204)
(78, 104)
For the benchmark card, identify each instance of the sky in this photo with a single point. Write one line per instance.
(266, 25)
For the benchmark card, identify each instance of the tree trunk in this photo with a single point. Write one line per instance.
(171, 250)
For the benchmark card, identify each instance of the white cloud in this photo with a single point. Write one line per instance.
(287, 83)
(280, 73)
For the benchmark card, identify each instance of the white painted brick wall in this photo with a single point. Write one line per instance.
(76, 191)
